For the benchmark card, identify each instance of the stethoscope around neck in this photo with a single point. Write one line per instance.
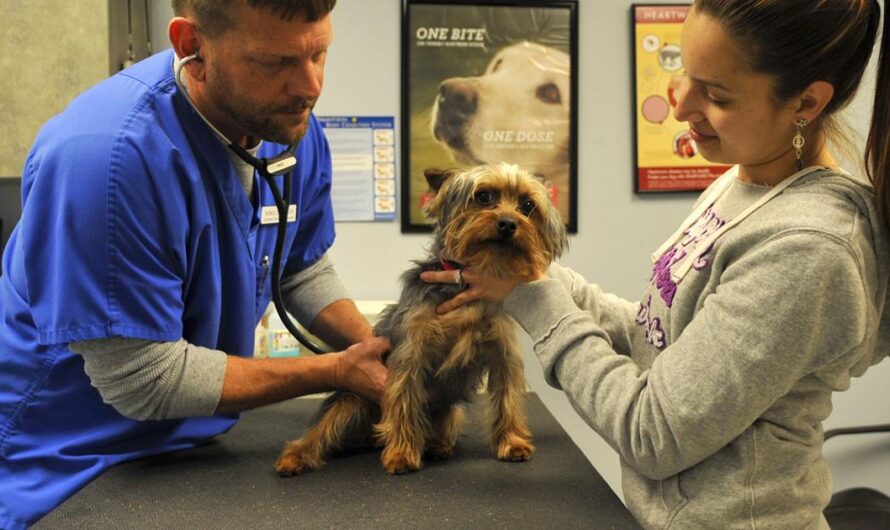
(268, 168)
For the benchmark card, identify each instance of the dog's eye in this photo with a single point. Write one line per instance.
(527, 207)
(485, 197)
(496, 65)
(549, 93)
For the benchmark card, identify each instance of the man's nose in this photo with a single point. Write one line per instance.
(306, 81)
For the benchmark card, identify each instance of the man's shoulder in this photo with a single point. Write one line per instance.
(126, 104)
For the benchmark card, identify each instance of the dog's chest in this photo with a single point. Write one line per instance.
(457, 370)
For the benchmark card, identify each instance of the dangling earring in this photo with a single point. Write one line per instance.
(798, 142)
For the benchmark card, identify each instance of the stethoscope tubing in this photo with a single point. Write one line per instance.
(282, 203)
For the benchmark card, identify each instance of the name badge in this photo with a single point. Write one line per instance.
(270, 214)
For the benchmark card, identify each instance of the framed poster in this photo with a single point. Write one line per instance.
(487, 81)
(363, 157)
(666, 156)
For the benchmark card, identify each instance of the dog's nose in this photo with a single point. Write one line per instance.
(506, 227)
(457, 95)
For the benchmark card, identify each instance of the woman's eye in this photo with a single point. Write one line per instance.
(485, 197)
(716, 101)
(527, 207)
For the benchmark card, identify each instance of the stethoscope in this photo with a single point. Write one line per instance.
(283, 164)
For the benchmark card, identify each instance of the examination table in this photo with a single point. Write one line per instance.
(231, 483)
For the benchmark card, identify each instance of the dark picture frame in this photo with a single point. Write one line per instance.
(666, 158)
(486, 81)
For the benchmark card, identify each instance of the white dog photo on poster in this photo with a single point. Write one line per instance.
(517, 111)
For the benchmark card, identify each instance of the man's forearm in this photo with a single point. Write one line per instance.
(250, 383)
(340, 325)
(317, 297)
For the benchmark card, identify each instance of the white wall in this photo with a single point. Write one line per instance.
(617, 230)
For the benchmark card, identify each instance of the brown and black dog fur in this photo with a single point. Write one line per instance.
(498, 220)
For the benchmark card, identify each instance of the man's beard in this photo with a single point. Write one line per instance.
(264, 123)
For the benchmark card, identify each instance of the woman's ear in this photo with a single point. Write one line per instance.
(813, 100)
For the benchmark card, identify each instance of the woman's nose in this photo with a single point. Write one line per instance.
(686, 107)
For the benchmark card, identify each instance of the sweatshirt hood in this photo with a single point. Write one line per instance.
(861, 195)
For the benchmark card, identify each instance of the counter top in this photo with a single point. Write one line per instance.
(231, 483)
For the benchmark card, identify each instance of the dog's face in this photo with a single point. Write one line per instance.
(518, 110)
(496, 218)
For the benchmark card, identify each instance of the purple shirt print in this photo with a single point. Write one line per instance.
(661, 278)
(703, 227)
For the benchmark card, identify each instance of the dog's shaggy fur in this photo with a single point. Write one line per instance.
(499, 220)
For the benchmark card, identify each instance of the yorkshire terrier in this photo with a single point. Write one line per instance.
(499, 220)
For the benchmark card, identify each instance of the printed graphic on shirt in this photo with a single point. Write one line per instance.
(654, 331)
(661, 280)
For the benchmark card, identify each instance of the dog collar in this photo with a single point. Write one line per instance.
(448, 265)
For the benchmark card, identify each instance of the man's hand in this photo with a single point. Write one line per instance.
(360, 369)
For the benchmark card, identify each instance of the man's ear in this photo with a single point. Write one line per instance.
(437, 177)
(186, 41)
(813, 100)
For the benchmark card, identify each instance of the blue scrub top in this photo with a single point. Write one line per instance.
(134, 224)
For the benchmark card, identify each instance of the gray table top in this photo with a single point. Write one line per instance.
(231, 483)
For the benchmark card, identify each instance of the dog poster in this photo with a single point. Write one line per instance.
(489, 82)
(667, 158)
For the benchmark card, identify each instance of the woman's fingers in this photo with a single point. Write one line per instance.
(458, 300)
(452, 276)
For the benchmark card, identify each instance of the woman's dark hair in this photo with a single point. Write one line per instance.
(214, 16)
(877, 148)
(797, 42)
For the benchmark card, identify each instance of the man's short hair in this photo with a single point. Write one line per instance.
(215, 16)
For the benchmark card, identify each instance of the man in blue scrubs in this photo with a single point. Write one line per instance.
(133, 283)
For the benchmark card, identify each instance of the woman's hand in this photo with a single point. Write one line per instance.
(359, 369)
(478, 286)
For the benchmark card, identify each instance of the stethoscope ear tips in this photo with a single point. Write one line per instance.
(193, 57)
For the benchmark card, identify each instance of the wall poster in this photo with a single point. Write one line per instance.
(489, 81)
(667, 158)
(363, 156)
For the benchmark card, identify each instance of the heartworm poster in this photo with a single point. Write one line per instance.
(667, 158)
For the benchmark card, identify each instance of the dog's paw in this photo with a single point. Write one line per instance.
(515, 449)
(439, 451)
(397, 463)
(295, 460)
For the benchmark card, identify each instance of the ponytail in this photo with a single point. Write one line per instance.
(877, 148)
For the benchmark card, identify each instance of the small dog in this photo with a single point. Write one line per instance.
(499, 220)
(517, 110)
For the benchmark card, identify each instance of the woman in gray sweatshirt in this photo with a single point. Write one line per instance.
(770, 296)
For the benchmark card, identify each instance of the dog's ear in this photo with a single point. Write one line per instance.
(437, 177)
(555, 233)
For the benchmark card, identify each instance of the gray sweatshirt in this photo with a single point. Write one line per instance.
(713, 388)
